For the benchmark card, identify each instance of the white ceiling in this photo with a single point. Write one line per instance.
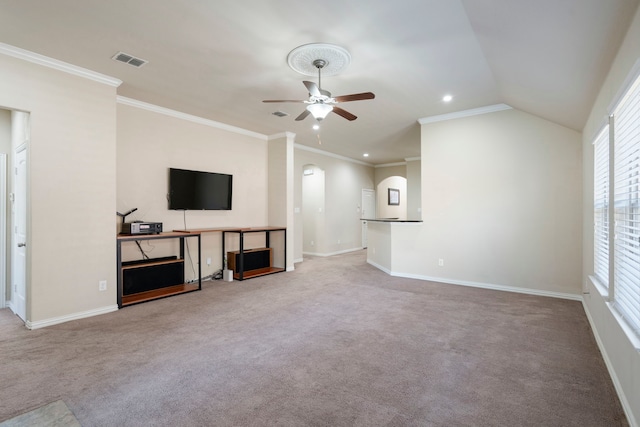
(219, 59)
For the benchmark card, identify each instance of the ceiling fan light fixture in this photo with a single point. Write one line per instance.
(319, 111)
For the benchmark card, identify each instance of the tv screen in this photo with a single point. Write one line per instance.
(195, 190)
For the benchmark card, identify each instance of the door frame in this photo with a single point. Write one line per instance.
(364, 235)
(3, 229)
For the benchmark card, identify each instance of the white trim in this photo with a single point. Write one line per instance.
(328, 154)
(379, 267)
(292, 268)
(332, 253)
(3, 229)
(464, 113)
(36, 58)
(188, 117)
(491, 286)
(412, 159)
(281, 135)
(76, 316)
(626, 406)
(388, 165)
(295, 261)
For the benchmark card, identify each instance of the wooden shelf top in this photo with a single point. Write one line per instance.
(166, 235)
(230, 229)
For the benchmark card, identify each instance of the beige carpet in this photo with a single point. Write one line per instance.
(334, 343)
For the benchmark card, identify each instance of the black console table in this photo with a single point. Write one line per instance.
(240, 267)
(154, 278)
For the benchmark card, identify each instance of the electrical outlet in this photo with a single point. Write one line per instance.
(102, 285)
(441, 262)
(312, 243)
(338, 241)
(209, 261)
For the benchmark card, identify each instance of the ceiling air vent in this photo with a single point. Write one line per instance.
(129, 59)
(280, 113)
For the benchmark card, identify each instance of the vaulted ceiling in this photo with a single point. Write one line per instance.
(219, 59)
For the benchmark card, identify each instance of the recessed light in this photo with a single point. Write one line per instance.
(316, 126)
(365, 155)
(447, 98)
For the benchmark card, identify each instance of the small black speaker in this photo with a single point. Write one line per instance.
(147, 275)
(254, 259)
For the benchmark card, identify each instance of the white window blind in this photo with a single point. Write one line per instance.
(601, 207)
(626, 177)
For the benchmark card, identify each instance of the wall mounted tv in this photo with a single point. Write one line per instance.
(195, 190)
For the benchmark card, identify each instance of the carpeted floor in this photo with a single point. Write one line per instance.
(334, 343)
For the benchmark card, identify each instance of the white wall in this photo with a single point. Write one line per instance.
(71, 177)
(622, 357)
(344, 181)
(149, 143)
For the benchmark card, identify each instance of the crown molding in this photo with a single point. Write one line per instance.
(388, 165)
(412, 159)
(45, 61)
(328, 154)
(188, 117)
(464, 113)
(282, 135)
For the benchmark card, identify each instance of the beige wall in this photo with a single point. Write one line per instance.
(5, 131)
(149, 143)
(383, 208)
(414, 189)
(344, 181)
(71, 178)
(501, 205)
(620, 353)
(5, 148)
(383, 172)
(280, 192)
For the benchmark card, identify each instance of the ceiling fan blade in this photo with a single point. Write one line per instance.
(282, 100)
(355, 97)
(347, 115)
(312, 88)
(303, 115)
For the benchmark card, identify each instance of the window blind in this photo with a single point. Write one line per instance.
(626, 176)
(601, 207)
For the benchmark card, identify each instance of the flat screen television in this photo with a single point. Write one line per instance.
(196, 190)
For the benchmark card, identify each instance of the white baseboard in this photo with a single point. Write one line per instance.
(612, 373)
(345, 251)
(56, 320)
(379, 267)
(528, 291)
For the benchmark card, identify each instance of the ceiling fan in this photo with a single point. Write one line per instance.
(321, 102)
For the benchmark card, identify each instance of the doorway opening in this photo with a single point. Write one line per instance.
(14, 144)
(313, 216)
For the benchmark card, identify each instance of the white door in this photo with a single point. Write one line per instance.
(19, 241)
(368, 211)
